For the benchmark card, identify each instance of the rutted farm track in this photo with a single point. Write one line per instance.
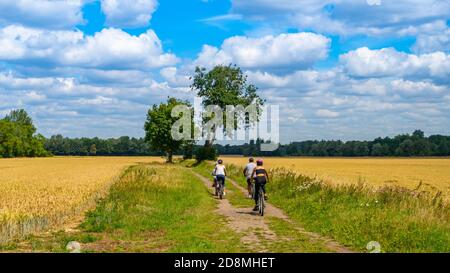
(255, 231)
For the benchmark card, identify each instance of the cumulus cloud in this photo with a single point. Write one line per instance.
(345, 17)
(94, 110)
(173, 76)
(388, 62)
(364, 62)
(284, 50)
(102, 84)
(115, 48)
(301, 80)
(122, 13)
(42, 13)
(417, 88)
(111, 48)
(432, 42)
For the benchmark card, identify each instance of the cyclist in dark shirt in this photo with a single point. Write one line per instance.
(260, 177)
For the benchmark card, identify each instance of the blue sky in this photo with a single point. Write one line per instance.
(354, 69)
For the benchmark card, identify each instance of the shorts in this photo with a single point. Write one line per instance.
(221, 179)
(249, 181)
(260, 179)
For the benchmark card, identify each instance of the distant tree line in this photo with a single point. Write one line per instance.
(415, 144)
(18, 136)
(122, 146)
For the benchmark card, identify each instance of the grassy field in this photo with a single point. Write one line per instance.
(434, 173)
(36, 193)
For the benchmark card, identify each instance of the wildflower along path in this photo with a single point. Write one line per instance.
(268, 233)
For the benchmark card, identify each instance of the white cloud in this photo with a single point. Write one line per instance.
(364, 62)
(66, 106)
(284, 50)
(325, 113)
(102, 84)
(302, 80)
(374, 87)
(41, 13)
(411, 88)
(220, 18)
(388, 62)
(123, 13)
(427, 43)
(34, 96)
(10, 82)
(171, 74)
(111, 48)
(345, 17)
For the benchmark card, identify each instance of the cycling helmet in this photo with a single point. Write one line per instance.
(259, 162)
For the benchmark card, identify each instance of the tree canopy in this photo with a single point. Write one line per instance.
(18, 136)
(223, 86)
(158, 128)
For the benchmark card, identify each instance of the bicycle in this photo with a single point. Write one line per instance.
(261, 201)
(216, 193)
(261, 204)
(219, 189)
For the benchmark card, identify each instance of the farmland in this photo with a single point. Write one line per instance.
(434, 173)
(38, 193)
(137, 204)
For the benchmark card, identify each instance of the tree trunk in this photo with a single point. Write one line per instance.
(208, 143)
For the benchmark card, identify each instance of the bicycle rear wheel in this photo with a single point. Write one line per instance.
(261, 202)
(220, 190)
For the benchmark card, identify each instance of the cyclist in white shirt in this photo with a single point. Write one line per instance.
(248, 170)
(220, 172)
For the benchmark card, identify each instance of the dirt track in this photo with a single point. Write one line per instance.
(254, 228)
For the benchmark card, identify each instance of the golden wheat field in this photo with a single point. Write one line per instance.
(434, 173)
(36, 193)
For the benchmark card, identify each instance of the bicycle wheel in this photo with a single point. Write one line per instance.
(220, 190)
(261, 202)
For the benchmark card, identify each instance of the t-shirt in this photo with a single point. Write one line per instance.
(249, 169)
(261, 175)
(219, 169)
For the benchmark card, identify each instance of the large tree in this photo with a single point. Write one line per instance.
(17, 136)
(158, 128)
(222, 86)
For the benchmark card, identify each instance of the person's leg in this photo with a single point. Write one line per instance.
(221, 180)
(264, 190)
(256, 194)
(249, 186)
